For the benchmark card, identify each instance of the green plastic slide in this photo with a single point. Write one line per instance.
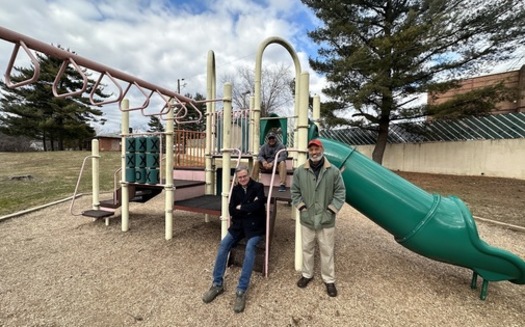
(437, 227)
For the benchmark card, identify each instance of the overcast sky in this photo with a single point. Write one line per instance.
(160, 41)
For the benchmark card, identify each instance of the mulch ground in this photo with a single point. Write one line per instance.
(62, 270)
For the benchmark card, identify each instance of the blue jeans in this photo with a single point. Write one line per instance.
(247, 265)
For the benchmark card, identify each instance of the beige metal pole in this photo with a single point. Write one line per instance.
(168, 186)
(317, 110)
(210, 86)
(210, 90)
(95, 176)
(302, 131)
(124, 194)
(257, 87)
(226, 157)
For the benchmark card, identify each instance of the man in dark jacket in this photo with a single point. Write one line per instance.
(248, 220)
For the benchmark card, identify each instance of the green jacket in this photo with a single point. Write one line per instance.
(323, 197)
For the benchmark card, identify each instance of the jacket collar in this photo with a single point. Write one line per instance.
(326, 164)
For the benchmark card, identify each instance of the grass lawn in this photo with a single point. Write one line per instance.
(54, 177)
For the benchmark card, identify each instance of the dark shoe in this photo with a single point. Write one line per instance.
(331, 290)
(303, 282)
(240, 302)
(282, 188)
(212, 293)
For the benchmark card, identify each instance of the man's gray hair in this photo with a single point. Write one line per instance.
(241, 168)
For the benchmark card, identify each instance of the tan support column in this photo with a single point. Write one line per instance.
(95, 175)
(302, 131)
(317, 110)
(168, 187)
(226, 158)
(210, 95)
(124, 194)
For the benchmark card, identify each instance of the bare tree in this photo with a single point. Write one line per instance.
(276, 88)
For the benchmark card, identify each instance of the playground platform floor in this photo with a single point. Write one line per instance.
(211, 204)
(63, 270)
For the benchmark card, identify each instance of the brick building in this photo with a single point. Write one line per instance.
(107, 142)
(512, 79)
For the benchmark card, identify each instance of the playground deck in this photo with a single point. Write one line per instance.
(211, 204)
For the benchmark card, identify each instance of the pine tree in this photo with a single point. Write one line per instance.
(380, 56)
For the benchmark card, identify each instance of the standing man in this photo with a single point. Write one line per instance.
(248, 220)
(318, 192)
(266, 160)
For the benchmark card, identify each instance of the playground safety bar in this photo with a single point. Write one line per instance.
(78, 183)
(272, 179)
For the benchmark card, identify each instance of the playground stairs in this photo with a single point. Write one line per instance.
(237, 253)
(265, 176)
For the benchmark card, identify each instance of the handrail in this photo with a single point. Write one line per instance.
(268, 201)
(115, 183)
(78, 183)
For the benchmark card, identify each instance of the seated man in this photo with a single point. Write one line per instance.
(248, 220)
(265, 160)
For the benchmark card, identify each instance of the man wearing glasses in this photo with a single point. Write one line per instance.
(248, 220)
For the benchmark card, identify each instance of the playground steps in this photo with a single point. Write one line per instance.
(237, 253)
(265, 176)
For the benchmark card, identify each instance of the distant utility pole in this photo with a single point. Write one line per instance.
(178, 84)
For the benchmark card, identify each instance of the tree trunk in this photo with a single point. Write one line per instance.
(382, 138)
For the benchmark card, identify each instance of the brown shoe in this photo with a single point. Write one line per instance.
(331, 290)
(303, 282)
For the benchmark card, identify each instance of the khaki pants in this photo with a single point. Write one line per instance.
(326, 240)
(281, 168)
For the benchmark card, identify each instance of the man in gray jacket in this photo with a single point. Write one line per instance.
(266, 160)
(318, 192)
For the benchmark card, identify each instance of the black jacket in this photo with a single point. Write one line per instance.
(250, 220)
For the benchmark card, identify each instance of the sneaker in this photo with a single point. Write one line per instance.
(240, 302)
(331, 290)
(212, 293)
(282, 188)
(303, 282)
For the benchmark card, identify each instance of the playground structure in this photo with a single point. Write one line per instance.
(440, 228)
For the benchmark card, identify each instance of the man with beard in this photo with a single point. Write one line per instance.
(318, 192)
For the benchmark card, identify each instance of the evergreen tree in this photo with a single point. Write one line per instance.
(155, 125)
(192, 115)
(379, 56)
(33, 111)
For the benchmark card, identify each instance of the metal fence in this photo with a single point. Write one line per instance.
(492, 127)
